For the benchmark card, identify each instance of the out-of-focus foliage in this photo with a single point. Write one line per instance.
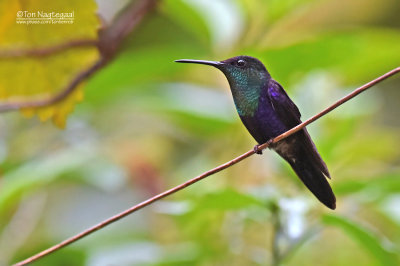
(373, 245)
(147, 124)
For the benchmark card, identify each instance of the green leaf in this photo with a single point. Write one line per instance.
(381, 186)
(39, 172)
(187, 17)
(227, 199)
(366, 238)
(346, 53)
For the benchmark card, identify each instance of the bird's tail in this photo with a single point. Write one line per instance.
(311, 169)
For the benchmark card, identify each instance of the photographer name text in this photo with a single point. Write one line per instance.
(43, 17)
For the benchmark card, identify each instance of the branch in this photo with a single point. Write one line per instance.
(277, 230)
(110, 38)
(296, 244)
(45, 51)
(205, 174)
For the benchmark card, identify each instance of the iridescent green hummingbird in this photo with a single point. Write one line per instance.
(267, 111)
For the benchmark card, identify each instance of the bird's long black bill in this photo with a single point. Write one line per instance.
(203, 62)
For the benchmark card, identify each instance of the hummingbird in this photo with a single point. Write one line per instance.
(267, 111)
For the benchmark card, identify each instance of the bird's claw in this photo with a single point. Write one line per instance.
(257, 149)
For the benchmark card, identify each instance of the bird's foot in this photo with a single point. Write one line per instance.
(257, 149)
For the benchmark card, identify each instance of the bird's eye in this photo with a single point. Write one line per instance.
(241, 63)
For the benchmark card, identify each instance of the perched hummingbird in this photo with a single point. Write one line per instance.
(267, 111)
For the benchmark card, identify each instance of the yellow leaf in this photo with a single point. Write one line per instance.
(32, 78)
(7, 15)
(45, 113)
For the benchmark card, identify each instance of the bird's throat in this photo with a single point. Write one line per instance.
(246, 85)
(246, 99)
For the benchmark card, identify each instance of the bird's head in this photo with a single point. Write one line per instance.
(241, 71)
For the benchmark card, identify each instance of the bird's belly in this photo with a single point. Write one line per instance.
(270, 122)
(264, 124)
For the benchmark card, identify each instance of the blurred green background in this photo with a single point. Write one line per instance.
(147, 124)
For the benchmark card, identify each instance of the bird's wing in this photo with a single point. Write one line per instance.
(290, 115)
(283, 105)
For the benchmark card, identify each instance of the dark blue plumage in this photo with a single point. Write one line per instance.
(267, 111)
